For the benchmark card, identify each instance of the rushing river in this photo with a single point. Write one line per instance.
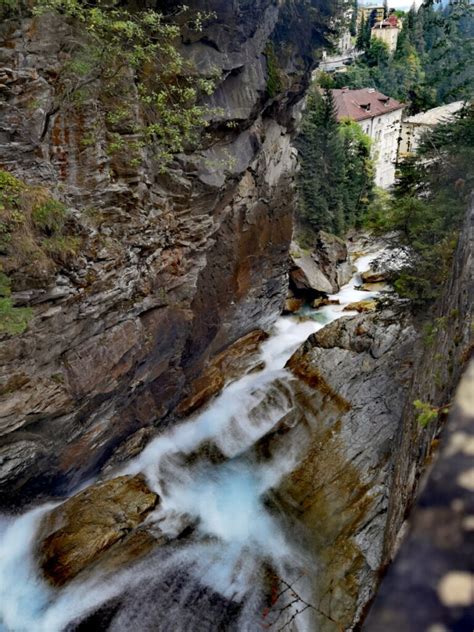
(216, 579)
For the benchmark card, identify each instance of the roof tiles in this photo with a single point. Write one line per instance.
(363, 104)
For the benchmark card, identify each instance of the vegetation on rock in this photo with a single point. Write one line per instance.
(133, 53)
(36, 238)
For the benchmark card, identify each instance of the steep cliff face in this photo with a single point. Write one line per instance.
(172, 268)
(442, 355)
(366, 449)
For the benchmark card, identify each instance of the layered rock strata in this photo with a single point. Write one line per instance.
(172, 268)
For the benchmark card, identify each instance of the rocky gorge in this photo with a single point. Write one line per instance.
(171, 269)
(195, 460)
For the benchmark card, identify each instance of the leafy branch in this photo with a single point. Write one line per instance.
(134, 54)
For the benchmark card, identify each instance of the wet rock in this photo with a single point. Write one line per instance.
(229, 364)
(370, 276)
(81, 530)
(292, 305)
(350, 389)
(374, 287)
(361, 306)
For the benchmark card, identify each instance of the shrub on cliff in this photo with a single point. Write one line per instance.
(37, 238)
(123, 56)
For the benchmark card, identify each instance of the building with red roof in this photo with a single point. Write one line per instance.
(380, 117)
(387, 31)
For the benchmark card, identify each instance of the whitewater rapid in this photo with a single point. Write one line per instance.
(237, 533)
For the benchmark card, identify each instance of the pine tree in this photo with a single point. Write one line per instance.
(353, 24)
(321, 176)
(363, 34)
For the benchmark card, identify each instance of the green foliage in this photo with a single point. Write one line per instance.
(274, 79)
(126, 52)
(13, 320)
(429, 202)
(426, 414)
(335, 181)
(358, 181)
(433, 61)
(49, 216)
(10, 188)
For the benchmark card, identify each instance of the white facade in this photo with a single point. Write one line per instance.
(414, 126)
(384, 130)
(387, 34)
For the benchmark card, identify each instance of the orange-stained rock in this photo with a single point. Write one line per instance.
(229, 364)
(325, 300)
(374, 287)
(370, 276)
(361, 306)
(78, 532)
(292, 305)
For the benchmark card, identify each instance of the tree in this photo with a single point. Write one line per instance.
(353, 23)
(358, 184)
(322, 166)
(430, 197)
(335, 181)
(363, 35)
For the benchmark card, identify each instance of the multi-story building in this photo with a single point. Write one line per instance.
(370, 13)
(414, 126)
(387, 31)
(380, 117)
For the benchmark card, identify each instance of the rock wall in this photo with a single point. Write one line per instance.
(173, 268)
(365, 448)
(441, 356)
(353, 376)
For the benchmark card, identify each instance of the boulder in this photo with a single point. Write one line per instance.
(306, 273)
(374, 287)
(78, 532)
(361, 306)
(325, 300)
(323, 269)
(371, 276)
(292, 305)
(349, 392)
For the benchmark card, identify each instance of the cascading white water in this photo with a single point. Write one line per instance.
(236, 535)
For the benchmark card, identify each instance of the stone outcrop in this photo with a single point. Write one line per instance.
(441, 356)
(322, 269)
(352, 382)
(430, 584)
(80, 531)
(366, 449)
(172, 268)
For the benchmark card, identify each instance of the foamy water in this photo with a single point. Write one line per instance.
(235, 532)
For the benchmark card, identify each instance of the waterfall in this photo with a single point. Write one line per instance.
(219, 577)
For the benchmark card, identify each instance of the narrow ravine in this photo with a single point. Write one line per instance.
(238, 541)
